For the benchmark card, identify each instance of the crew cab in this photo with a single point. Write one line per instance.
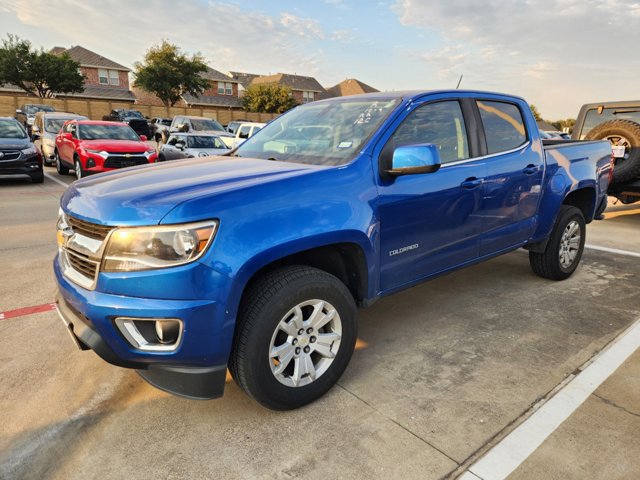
(87, 146)
(133, 118)
(257, 261)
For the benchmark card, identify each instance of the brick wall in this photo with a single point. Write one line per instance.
(213, 91)
(95, 109)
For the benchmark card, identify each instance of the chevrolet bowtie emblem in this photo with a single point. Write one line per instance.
(127, 155)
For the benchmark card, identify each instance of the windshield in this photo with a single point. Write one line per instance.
(33, 109)
(54, 125)
(200, 124)
(106, 132)
(11, 129)
(203, 142)
(131, 114)
(323, 133)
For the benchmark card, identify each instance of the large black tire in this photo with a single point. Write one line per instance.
(551, 263)
(37, 177)
(264, 307)
(60, 168)
(627, 168)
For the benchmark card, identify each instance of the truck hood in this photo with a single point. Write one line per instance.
(144, 195)
(124, 146)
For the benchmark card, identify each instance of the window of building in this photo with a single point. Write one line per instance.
(229, 88)
(114, 78)
(439, 123)
(103, 77)
(220, 88)
(503, 126)
(307, 97)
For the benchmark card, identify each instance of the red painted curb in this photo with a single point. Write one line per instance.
(20, 312)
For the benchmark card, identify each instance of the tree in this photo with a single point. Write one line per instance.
(268, 98)
(536, 113)
(567, 123)
(38, 72)
(168, 73)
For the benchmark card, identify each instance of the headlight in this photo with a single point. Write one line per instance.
(149, 152)
(144, 248)
(29, 151)
(102, 153)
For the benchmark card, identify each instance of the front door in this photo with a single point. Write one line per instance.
(431, 222)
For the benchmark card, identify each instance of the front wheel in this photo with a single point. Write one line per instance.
(564, 249)
(80, 173)
(295, 336)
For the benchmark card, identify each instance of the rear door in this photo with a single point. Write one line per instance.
(431, 222)
(515, 166)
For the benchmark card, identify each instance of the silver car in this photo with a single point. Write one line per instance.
(45, 127)
(190, 145)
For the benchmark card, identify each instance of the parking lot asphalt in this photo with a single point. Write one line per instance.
(442, 372)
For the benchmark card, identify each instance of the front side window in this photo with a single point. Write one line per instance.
(114, 78)
(244, 132)
(440, 123)
(103, 77)
(503, 126)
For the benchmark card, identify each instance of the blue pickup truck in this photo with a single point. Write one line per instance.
(257, 261)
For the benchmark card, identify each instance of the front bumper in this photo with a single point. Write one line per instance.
(25, 165)
(195, 369)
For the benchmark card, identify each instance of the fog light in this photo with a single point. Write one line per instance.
(151, 334)
(167, 331)
(91, 163)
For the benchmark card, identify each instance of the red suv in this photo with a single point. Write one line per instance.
(87, 147)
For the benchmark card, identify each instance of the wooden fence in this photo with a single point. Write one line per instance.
(95, 109)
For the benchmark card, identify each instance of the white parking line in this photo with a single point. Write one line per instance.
(51, 177)
(613, 250)
(516, 447)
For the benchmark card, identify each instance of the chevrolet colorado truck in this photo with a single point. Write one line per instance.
(257, 261)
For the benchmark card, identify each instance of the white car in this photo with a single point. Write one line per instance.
(190, 145)
(247, 130)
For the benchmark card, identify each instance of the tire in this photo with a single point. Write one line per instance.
(161, 158)
(77, 168)
(60, 168)
(623, 132)
(268, 306)
(37, 177)
(564, 249)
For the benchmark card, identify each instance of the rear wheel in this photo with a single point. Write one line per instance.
(80, 173)
(60, 168)
(564, 249)
(295, 335)
(621, 133)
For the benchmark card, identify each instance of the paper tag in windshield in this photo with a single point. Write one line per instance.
(345, 144)
(618, 151)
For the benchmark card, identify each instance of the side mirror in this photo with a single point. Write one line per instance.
(143, 138)
(18, 110)
(414, 159)
(35, 132)
(67, 135)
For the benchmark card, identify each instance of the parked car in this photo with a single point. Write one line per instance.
(245, 131)
(18, 155)
(619, 124)
(46, 127)
(257, 262)
(159, 125)
(86, 147)
(191, 124)
(558, 134)
(189, 145)
(233, 126)
(27, 112)
(133, 118)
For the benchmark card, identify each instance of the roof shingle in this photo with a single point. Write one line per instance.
(87, 58)
(350, 86)
(294, 82)
(228, 101)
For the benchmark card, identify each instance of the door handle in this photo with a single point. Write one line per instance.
(471, 183)
(531, 169)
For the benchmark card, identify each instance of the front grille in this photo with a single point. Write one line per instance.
(91, 230)
(11, 155)
(82, 264)
(122, 161)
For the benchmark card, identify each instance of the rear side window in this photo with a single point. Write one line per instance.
(503, 126)
(439, 123)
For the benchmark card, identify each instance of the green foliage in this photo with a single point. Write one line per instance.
(168, 73)
(566, 123)
(36, 71)
(536, 113)
(268, 98)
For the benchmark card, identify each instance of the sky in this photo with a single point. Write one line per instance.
(557, 54)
